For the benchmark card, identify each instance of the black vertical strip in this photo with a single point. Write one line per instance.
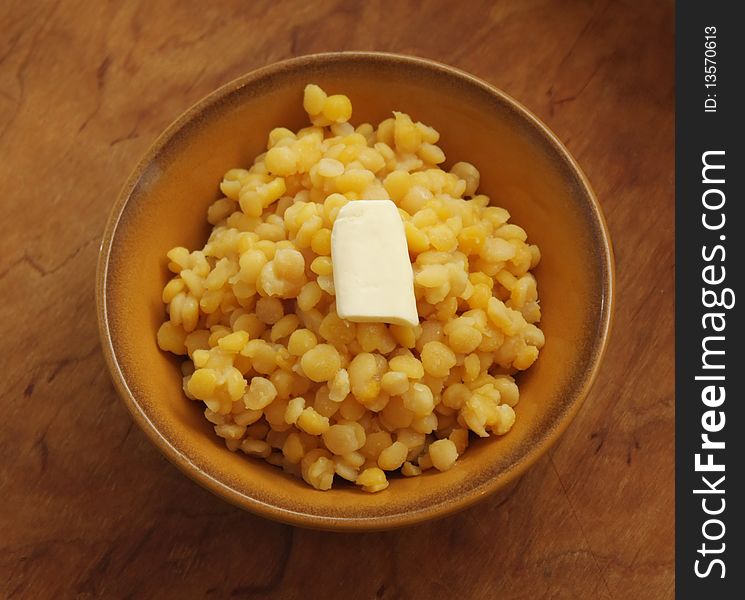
(710, 426)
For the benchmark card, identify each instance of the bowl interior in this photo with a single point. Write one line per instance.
(522, 169)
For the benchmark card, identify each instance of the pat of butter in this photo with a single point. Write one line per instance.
(373, 277)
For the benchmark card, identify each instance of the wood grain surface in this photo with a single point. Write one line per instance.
(89, 508)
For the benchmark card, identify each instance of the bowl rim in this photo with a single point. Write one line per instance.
(337, 523)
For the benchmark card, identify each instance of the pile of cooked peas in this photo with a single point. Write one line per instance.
(282, 376)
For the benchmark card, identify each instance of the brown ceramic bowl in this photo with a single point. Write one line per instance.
(523, 168)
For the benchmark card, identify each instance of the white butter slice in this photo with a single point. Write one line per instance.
(373, 277)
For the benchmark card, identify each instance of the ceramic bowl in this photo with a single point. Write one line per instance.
(524, 168)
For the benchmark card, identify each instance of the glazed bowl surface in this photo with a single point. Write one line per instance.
(524, 168)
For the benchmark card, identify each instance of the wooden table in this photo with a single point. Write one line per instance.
(89, 508)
